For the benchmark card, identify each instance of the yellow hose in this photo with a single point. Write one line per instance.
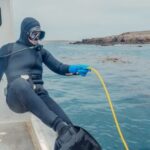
(111, 106)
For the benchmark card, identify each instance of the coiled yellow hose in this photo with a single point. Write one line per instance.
(111, 106)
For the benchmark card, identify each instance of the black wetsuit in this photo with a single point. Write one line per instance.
(19, 61)
(21, 97)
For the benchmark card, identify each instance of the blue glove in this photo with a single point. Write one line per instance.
(79, 69)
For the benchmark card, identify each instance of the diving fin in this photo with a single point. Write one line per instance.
(76, 138)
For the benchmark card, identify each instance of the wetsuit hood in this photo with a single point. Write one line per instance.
(26, 25)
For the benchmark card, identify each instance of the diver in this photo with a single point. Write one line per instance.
(22, 61)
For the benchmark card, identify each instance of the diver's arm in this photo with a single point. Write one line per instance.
(53, 64)
(2, 67)
(1, 75)
(4, 51)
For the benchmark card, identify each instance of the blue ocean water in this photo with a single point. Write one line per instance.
(83, 99)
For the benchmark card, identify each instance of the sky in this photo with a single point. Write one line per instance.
(80, 19)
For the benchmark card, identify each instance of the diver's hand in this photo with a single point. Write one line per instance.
(79, 69)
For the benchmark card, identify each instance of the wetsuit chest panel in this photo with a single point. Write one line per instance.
(28, 61)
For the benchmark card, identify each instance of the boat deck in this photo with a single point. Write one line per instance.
(22, 131)
(15, 136)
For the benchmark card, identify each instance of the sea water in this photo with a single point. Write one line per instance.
(126, 70)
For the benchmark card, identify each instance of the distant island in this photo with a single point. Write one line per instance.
(140, 37)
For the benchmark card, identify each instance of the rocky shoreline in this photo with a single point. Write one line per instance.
(140, 37)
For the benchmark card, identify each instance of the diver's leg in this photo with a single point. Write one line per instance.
(52, 105)
(34, 103)
(14, 103)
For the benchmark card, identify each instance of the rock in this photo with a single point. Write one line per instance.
(141, 37)
(115, 60)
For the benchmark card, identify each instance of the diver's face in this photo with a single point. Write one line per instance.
(34, 42)
(34, 36)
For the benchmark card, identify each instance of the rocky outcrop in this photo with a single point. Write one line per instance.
(141, 37)
(115, 59)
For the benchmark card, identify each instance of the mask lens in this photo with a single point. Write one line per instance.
(35, 35)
